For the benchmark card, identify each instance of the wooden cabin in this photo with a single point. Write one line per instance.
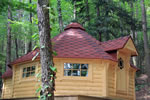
(87, 69)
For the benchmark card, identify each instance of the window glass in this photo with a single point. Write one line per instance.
(67, 72)
(74, 69)
(28, 71)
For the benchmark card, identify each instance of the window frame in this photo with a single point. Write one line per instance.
(28, 71)
(31, 78)
(78, 69)
(73, 78)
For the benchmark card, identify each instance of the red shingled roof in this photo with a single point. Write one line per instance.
(115, 44)
(27, 57)
(7, 74)
(74, 26)
(137, 69)
(76, 43)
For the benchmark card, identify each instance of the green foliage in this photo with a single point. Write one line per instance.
(54, 69)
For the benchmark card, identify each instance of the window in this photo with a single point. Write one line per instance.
(28, 71)
(120, 63)
(73, 69)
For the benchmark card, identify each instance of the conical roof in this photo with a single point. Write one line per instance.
(75, 42)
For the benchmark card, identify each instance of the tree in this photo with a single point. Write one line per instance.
(30, 42)
(8, 57)
(60, 15)
(145, 38)
(47, 78)
(98, 14)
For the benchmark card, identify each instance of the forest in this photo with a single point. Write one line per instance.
(103, 19)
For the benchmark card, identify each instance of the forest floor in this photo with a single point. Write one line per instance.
(142, 95)
(142, 89)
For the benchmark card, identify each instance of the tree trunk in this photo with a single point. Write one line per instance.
(16, 43)
(146, 47)
(74, 10)
(135, 59)
(60, 15)
(87, 11)
(30, 41)
(45, 49)
(8, 55)
(2, 45)
(132, 14)
(25, 45)
(98, 15)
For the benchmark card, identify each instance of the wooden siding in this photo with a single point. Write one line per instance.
(24, 87)
(131, 88)
(93, 85)
(111, 81)
(7, 88)
(101, 80)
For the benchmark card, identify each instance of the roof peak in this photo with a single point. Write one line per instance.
(74, 25)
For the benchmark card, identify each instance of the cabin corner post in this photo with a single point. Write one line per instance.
(12, 90)
(3, 89)
(106, 80)
(134, 97)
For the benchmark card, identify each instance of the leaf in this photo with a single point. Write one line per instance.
(46, 86)
(43, 47)
(51, 81)
(55, 53)
(54, 69)
(35, 47)
(35, 56)
(49, 95)
(34, 35)
(38, 90)
(38, 75)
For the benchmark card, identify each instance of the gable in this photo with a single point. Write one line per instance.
(131, 47)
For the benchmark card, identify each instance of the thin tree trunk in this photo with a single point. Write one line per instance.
(135, 59)
(2, 46)
(74, 10)
(132, 14)
(16, 43)
(87, 11)
(146, 47)
(8, 55)
(45, 49)
(60, 15)
(25, 45)
(98, 15)
(30, 41)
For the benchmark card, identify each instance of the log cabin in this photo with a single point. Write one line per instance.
(86, 69)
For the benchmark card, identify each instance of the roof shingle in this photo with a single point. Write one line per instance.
(7, 74)
(115, 44)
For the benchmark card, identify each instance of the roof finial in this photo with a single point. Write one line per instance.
(74, 25)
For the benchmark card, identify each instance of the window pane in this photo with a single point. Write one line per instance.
(28, 74)
(32, 73)
(76, 73)
(76, 66)
(84, 66)
(67, 72)
(28, 69)
(33, 68)
(24, 70)
(24, 75)
(67, 66)
(84, 73)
